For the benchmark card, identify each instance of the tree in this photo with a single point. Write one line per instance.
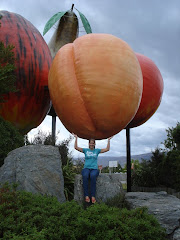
(10, 139)
(26, 140)
(41, 138)
(164, 167)
(7, 70)
(173, 138)
(64, 151)
(172, 146)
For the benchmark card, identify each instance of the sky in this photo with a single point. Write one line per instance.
(151, 28)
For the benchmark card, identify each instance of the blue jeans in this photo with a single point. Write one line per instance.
(91, 174)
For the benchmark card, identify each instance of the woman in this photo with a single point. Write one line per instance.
(90, 169)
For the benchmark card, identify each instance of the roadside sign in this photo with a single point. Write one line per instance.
(113, 164)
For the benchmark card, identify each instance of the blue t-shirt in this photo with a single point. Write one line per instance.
(91, 158)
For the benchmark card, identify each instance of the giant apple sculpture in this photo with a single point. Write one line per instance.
(27, 107)
(95, 85)
(152, 91)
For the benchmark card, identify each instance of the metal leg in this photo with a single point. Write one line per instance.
(53, 129)
(128, 149)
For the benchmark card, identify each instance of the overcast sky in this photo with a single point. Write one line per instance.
(151, 28)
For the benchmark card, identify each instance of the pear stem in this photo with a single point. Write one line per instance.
(72, 7)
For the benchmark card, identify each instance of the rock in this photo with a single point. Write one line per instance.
(165, 207)
(36, 169)
(107, 186)
(176, 235)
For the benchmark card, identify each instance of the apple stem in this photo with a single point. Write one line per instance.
(72, 7)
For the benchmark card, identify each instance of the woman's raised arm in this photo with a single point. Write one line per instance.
(108, 146)
(75, 143)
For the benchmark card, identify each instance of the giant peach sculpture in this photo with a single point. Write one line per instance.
(152, 91)
(95, 85)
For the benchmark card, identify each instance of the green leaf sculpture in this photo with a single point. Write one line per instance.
(85, 22)
(52, 21)
(58, 16)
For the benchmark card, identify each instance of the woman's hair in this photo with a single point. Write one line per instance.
(91, 139)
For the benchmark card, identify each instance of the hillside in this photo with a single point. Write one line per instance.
(122, 160)
(104, 160)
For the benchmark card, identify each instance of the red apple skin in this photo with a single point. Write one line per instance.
(152, 91)
(27, 107)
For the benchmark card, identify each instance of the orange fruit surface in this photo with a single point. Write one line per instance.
(95, 84)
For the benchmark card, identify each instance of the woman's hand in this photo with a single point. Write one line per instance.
(75, 135)
(110, 138)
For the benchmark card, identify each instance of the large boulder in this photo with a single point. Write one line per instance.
(165, 207)
(36, 169)
(107, 186)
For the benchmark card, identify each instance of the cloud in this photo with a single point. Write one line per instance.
(149, 27)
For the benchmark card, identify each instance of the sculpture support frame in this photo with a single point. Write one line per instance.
(128, 159)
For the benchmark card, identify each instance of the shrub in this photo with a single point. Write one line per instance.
(117, 201)
(69, 176)
(27, 216)
(67, 168)
(103, 222)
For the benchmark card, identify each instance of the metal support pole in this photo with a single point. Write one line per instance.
(53, 129)
(128, 150)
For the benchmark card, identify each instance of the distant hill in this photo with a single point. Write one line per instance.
(104, 160)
